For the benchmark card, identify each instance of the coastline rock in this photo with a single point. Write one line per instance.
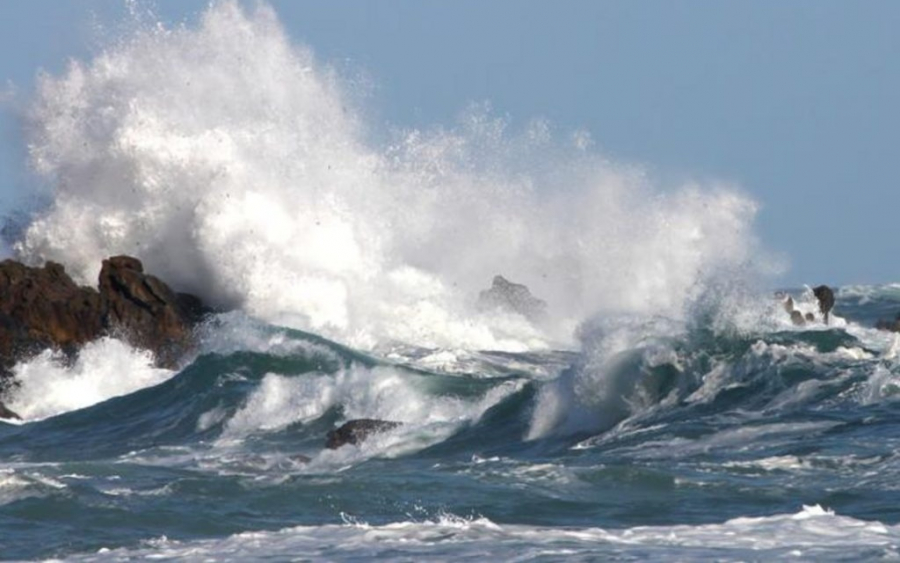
(42, 307)
(825, 296)
(356, 431)
(514, 297)
(145, 311)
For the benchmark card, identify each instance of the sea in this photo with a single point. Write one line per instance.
(662, 407)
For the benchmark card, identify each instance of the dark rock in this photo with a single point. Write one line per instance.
(43, 308)
(355, 431)
(826, 300)
(514, 297)
(143, 309)
(797, 318)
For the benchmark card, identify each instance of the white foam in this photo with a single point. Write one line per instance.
(383, 393)
(106, 368)
(236, 166)
(813, 533)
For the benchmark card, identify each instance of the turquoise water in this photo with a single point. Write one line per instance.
(745, 446)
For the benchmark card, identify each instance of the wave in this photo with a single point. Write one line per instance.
(240, 168)
(812, 533)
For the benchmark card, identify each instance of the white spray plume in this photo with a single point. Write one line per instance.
(236, 167)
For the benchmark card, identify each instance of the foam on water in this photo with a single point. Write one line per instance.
(383, 393)
(812, 533)
(238, 167)
(50, 384)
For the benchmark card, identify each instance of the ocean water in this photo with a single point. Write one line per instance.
(664, 408)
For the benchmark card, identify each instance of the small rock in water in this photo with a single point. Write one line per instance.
(355, 431)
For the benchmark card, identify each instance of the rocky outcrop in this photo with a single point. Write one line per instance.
(825, 296)
(43, 308)
(145, 311)
(513, 297)
(356, 431)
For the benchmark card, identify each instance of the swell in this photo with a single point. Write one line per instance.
(289, 400)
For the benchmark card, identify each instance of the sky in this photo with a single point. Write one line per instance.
(797, 102)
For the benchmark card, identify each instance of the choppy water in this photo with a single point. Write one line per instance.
(663, 408)
(684, 445)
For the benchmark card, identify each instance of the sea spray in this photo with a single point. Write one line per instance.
(50, 384)
(237, 166)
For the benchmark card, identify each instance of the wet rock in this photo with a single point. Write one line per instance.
(356, 431)
(826, 300)
(514, 297)
(145, 311)
(43, 308)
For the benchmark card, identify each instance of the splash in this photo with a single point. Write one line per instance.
(238, 167)
(50, 385)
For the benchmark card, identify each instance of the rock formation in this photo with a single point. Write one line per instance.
(826, 300)
(355, 431)
(513, 297)
(43, 308)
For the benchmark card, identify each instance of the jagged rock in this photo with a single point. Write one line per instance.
(145, 311)
(8, 414)
(355, 431)
(826, 300)
(43, 308)
(514, 297)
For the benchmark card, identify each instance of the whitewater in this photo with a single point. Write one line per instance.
(664, 407)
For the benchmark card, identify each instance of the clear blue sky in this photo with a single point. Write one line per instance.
(796, 101)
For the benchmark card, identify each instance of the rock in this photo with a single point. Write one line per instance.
(355, 431)
(513, 297)
(145, 311)
(43, 308)
(826, 300)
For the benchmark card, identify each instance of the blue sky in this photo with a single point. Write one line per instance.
(797, 101)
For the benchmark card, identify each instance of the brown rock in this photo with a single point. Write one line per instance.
(43, 308)
(145, 311)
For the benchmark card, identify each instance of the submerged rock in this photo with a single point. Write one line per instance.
(356, 431)
(43, 308)
(514, 297)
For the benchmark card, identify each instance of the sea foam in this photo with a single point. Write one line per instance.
(240, 168)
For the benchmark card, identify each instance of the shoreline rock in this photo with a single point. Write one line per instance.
(42, 307)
